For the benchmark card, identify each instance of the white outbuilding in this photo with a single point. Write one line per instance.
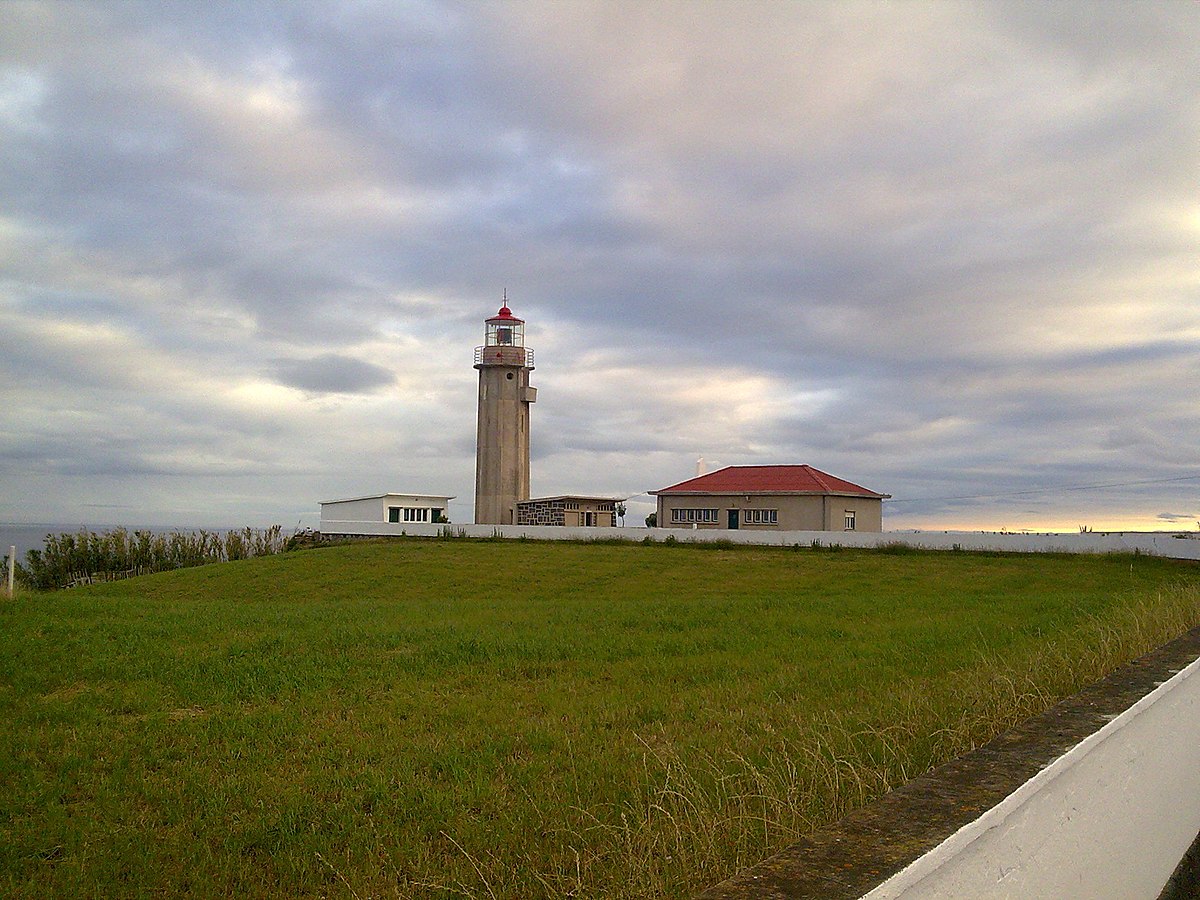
(382, 513)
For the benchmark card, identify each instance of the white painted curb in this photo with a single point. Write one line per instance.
(1110, 818)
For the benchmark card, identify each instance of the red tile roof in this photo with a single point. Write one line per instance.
(767, 480)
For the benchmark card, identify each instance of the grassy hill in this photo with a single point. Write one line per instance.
(449, 718)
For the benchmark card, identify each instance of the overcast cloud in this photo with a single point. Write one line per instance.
(947, 251)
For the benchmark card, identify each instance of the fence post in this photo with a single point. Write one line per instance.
(12, 569)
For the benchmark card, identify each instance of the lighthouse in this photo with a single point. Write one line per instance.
(502, 436)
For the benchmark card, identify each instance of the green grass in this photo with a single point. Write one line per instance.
(519, 719)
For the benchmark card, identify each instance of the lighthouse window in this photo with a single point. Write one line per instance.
(509, 376)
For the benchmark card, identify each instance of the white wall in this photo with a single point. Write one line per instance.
(1154, 544)
(1110, 818)
(346, 516)
(369, 509)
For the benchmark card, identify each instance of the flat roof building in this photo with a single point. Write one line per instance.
(341, 516)
(571, 511)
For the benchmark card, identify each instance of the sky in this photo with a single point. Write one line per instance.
(947, 251)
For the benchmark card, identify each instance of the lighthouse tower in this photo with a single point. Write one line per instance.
(502, 439)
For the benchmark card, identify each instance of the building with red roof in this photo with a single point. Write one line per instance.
(784, 498)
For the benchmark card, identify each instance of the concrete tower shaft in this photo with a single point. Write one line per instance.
(502, 435)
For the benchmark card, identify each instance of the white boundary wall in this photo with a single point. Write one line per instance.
(1111, 817)
(1154, 544)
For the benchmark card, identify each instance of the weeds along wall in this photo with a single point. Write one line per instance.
(1131, 785)
(1098, 797)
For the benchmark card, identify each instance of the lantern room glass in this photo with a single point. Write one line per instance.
(505, 333)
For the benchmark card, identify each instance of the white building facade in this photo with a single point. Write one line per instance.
(395, 510)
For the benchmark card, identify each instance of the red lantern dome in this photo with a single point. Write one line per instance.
(505, 314)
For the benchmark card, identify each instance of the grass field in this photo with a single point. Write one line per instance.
(515, 719)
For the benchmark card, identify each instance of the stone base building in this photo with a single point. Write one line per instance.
(599, 512)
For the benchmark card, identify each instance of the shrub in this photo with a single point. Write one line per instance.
(85, 556)
(305, 539)
(896, 548)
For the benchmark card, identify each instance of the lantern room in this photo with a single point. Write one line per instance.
(504, 341)
(505, 330)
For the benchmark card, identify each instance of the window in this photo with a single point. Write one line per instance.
(694, 515)
(416, 514)
(760, 516)
(849, 520)
(393, 514)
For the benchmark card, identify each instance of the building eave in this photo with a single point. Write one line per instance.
(390, 494)
(737, 493)
(573, 497)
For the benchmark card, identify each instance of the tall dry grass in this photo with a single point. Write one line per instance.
(86, 556)
(717, 814)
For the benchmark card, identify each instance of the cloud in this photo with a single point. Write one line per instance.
(1179, 517)
(331, 374)
(945, 251)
